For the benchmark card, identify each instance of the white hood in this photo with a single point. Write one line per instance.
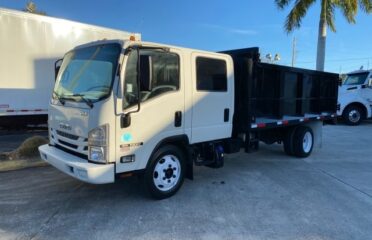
(69, 119)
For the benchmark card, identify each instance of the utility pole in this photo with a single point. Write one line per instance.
(293, 51)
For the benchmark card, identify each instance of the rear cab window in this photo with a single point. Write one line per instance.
(211, 74)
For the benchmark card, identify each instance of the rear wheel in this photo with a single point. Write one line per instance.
(303, 141)
(165, 172)
(353, 115)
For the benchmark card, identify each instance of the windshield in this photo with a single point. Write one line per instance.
(88, 73)
(356, 78)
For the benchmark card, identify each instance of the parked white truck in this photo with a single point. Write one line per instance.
(130, 107)
(29, 46)
(355, 97)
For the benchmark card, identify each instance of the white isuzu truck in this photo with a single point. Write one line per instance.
(355, 97)
(29, 46)
(129, 107)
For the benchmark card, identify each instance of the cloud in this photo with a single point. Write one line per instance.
(230, 30)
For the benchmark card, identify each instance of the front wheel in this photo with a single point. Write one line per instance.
(165, 173)
(353, 115)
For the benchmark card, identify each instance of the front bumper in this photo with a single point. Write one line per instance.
(77, 167)
(339, 112)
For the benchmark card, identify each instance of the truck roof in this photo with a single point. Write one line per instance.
(145, 43)
(359, 71)
(152, 44)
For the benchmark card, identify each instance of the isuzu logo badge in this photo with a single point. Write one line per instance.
(84, 114)
(65, 126)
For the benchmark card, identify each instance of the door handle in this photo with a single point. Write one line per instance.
(178, 119)
(226, 114)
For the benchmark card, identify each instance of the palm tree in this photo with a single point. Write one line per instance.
(31, 8)
(349, 8)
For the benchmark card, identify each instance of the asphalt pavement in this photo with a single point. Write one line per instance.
(263, 195)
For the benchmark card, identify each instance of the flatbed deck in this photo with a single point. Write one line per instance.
(290, 120)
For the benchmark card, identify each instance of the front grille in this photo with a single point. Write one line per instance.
(80, 155)
(77, 144)
(68, 144)
(67, 135)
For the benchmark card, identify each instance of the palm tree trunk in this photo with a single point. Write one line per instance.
(322, 35)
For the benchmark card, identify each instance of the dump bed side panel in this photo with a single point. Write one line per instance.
(274, 93)
(280, 90)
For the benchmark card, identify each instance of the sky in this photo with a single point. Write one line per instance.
(216, 25)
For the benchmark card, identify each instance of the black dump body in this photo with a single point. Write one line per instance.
(270, 91)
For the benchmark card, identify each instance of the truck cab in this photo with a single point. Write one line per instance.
(124, 107)
(355, 97)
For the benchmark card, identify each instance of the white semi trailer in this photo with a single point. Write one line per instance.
(130, 107)
(29, 47)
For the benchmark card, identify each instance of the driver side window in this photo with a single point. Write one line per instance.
(159, 74)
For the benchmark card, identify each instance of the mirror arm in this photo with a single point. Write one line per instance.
(138, 80)
(56, 68)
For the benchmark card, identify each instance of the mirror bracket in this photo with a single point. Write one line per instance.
(369, 83)
(57, 66)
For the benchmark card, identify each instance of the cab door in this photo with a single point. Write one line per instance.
(367, 91)
(212, 97)
(160, 112)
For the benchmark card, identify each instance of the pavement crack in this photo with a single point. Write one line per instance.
(343, 182)
(55, 213)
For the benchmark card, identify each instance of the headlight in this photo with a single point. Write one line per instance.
(98, 144)
(98, 136)
(97, 154)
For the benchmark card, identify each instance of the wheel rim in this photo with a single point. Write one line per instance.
(307, 142)
(167, 172)
(354, 116)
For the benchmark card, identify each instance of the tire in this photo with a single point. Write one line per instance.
(353, 115)
(303, 142)
(165, 172)
(288, 141)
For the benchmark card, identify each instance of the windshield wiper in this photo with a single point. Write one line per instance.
(86, 100)
(60, 99)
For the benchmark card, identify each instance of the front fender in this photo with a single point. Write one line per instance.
(348, 99)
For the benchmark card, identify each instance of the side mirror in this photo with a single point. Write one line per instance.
(145, 73)
(125, 120)
(340, 81)
(57, 66)
(370, 83)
